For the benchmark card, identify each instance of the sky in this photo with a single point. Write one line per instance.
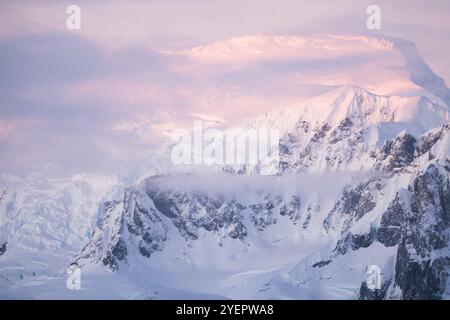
(102, 98)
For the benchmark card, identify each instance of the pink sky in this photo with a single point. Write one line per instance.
(104, 96)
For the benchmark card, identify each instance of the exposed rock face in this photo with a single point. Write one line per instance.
(310, 211)
(3, 247)
(320, 133)
(390, 230)
(423, 279)
(263, 213)
(353, 242)
(301, 155)
(396, 154)
(143, 218)
(191, 211)
(421, 230)
(353, 205)
(342, 131)
(429, 141)
(321, 264)
(423, 257)
(130, 221)
(366, 293)
(292, 209)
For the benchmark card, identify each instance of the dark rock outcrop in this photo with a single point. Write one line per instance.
(423, 257)
(353, 242)
(365, 293)
(390, 229)
(397, 153)
(3, 247)
(353, 205)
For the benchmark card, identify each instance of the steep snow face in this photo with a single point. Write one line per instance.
(43, 223)
(49, 215)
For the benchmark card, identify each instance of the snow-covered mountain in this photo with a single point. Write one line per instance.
(340, 129)
(398, 221)
(363, 179)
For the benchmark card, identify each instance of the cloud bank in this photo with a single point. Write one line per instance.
(102, 99)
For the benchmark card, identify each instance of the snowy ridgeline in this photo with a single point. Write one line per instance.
(321, 231)
(362, 183)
